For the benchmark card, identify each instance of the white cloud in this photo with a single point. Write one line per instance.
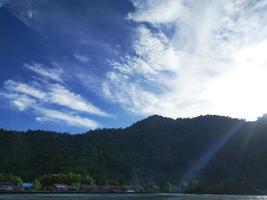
(82, 58)
(154, 55)
(54, 94)
(31, 13)
(71, 119)
(20, 101)
(197, 55)
(49, 73)
(51, 101)
(24, 102)
(23, 88)
(156, 11)
(60, 95)
(130, 95)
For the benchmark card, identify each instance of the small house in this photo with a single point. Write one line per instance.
(64, 188)
(60, 187)
(6, 187)
(129, 189)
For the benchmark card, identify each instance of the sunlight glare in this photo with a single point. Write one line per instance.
(242, 91)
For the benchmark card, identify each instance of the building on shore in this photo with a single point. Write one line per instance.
(64, 188)
(129, 189)
(6, 187)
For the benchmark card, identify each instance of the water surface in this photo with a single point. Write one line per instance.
(125, 197)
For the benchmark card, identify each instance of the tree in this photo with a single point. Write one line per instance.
(17, 181)
(14, 180)
(150, 150)
(88, 180)
(69, 178)
(152, 187)
(166, 187)
(36, 185)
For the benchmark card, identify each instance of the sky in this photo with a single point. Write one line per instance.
(76, 65)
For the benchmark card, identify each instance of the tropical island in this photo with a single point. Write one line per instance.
(206, 154)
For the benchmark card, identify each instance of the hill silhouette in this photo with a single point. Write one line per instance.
(211, 154)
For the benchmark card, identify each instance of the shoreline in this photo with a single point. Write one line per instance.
(129, 193)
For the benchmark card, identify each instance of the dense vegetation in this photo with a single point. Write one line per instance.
(69, 179)
(14, 180)
(156, 151)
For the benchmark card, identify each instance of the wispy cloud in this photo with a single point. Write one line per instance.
(54, 94)
(60, 95)
(23, 103)
(81, 58)
(191, 57)
(51, 101)
(69, 118)
(23, 88)
(49, 73)
(3, 2)
(157, 11)
(20, 101)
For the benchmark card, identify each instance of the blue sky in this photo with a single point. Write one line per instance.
(72, 66)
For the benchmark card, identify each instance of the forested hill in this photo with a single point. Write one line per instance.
(207, 149)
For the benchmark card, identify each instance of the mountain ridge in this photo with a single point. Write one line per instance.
(210, 148)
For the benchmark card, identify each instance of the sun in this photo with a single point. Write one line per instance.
(242, 91)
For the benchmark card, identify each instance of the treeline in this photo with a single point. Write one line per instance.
(13, 180)
(69, 179)
(156, 151)
(73, 183)
(84, 183)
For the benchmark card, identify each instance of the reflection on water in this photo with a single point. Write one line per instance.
(125, 197)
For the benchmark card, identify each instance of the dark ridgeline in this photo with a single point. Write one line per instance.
(156, 150)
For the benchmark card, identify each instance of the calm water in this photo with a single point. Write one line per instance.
(124, 197)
